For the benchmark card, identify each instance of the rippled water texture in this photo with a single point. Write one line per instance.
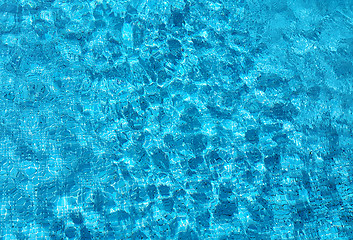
(176, 119)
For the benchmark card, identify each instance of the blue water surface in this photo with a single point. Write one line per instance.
(176, 119)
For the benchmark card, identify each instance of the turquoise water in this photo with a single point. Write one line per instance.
(176, 119)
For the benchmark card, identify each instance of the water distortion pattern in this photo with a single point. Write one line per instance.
(176, 119)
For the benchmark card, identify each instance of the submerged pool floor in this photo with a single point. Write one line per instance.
(203, 119)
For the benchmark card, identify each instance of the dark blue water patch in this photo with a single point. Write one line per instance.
(225, 210)
(76, 217)
(203, 219)
(189, 123)
(119, 216)
(170, 141)
(151, 191)
(272, 163)
(168, 204)
(254, 155)
(25, 152)
(197, 143)
(164, 190)
(200, 43)
(85, 233)
(138, 235)
(125, 172)
(304, 211)
(44, 213)
(343, 68)
(179, 193)
(219, 113)
(314, 92)
(138, 194)
(70, 232)
(281, 139)
(161, 160)
(282, 111)
(235, 236)
(20, 235)
(270, 81)
(10, 8)
(57, 225)
(189, 235)
(195, 162)
(98, 201)
(225, 192)
(199, 198)
(177, 18)
(252, 136)
(306, 180)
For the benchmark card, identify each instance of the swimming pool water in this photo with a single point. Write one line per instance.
(176, 119)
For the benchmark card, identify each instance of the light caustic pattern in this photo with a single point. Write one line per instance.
(181, 119)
